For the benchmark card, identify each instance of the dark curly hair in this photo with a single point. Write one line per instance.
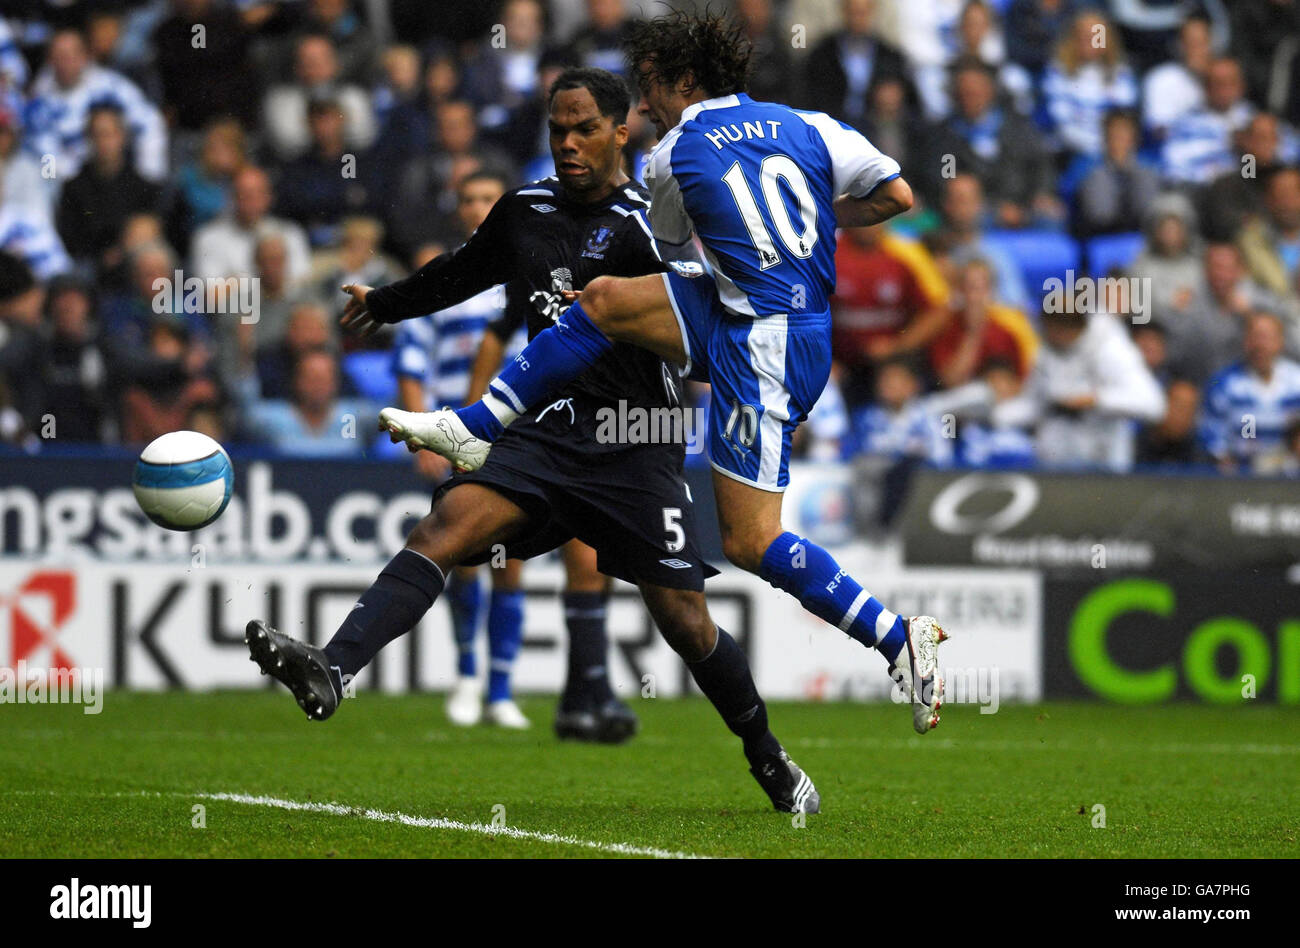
(708, 49)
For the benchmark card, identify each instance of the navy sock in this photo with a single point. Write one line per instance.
(725, 679)
(395, 602)
(588, 677)
(465, 597)
(555, 357)
(505, 633)
(812, 576)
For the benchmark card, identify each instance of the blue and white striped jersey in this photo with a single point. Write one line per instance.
(34, 240)
(1200, 146)
(1243, 415)
(756, 181)
(55, 121)
(438, 350)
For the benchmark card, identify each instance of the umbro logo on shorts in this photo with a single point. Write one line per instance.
(543, 208)
(676, 564)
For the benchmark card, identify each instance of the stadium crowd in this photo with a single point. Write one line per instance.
(1102, 268)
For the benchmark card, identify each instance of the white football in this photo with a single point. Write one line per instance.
(183, 480)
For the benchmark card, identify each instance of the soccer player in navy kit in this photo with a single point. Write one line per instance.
(553, 476)
(762, 186)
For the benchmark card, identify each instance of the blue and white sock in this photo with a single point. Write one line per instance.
(812, 576)
(505, 633)
(555, 357)
(465, 598)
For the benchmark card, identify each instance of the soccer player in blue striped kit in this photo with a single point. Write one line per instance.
(763, 187)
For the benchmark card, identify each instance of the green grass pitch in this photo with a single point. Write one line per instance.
(1180, 780)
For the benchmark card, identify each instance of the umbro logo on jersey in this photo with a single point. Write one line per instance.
(676, 564)
(543, 208)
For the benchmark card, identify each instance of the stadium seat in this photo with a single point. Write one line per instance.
(1042, 254)
(372, 374)
(1112, 250)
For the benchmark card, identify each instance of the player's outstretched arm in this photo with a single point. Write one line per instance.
(889, 199)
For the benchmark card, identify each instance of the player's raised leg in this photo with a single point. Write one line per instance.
(754, 539)
(464, 523)
(721, 670)
(635, 310)
(588, 709)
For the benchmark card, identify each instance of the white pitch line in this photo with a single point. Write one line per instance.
(437, 822)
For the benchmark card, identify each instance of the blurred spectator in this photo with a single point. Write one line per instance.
(998, 431)
(1264, 39)
(1250, 403)
(21, 184)
(163, 386)
(1086, 79)
(1172, 439)
(1238, 194)
(1088, 386)
(894, 127)
(429, 179)
(997, 145)
(889, 299)
(1032, 30)
(75, 371)
(203, 184)
(308, 328)
(1149, 28)
(127, 316)
(95, 204)
(353, 43)
(314, 421)
(1171, 257)
(358, 259)
(1290, 465)
(1176, 87)
(978, 35)
(926, 33)
(59, 106)
(326, 184)
(979, 331)
(398, 88)
(21, 347)
(599, 43)
(1270, 244)
(771, 79)
(13, 67)
(1213, 326)
(899, 425)
(500, 79)
(1118, 190)
(1199, 147)
(316, 74)
(963, 213)
(203, 81)
(224, 247)
(33, 239)
(841, 72)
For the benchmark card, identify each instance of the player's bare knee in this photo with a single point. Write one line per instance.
(743, 549)
(685, 623)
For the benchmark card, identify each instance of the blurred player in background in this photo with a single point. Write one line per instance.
(762, 186)
(444, 359)
(554, 476)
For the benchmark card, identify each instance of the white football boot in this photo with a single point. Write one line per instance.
(464, 702)
(916, 672)
(506, 714)
(438, 431)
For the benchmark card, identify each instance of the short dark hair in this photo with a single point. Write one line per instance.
(609, 90)
(484, 174)
(712, 50)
